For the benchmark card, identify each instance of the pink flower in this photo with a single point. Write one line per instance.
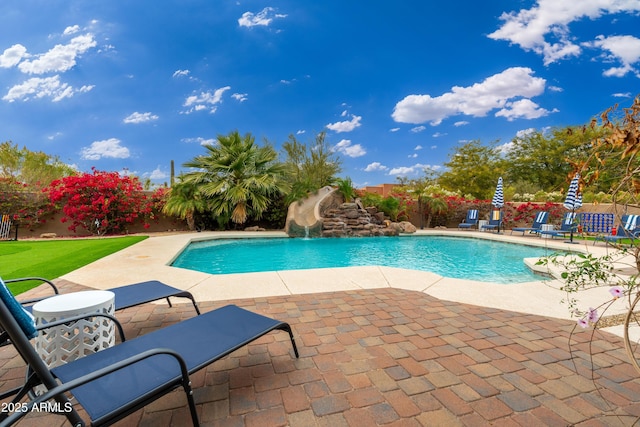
(593, 315)
(616, 291)
(583, 323)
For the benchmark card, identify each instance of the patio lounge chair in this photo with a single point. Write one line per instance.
(629, 228)
(540, 219)
(471, 220)
(113, 383)
(125, 296)
(495, 221)
(568, 223)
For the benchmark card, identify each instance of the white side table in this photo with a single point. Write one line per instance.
(546, 227)
(64, 343)
(482, 223)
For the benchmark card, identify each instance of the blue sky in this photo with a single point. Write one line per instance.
(129, 86)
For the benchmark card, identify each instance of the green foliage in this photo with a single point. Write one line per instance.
(237, 178)
(33, 169)
(184, 201)
(473, 169)
(345, 187)
(53, 258)
(309, 166)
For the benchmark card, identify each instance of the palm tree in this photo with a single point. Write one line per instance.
(237, 177)
(184, 201)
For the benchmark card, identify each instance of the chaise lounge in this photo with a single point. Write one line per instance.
(540, 219)
(629, 228)
(567, 226)
(117, 381)
(471, 220)
(495, 221)
(125, 296)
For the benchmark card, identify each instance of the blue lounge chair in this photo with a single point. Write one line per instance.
(495, 221)
(566, 227)
(471, 220)
(125, 296)
(540, 219)
(115, 382)
(629, 228)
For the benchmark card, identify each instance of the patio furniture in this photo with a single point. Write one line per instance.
(115, 382)
(125, 296)
(629, 228)
(567, 226)
(495, 221)
(73, 340)
(540, 219)
(471, 220)
(5, 228)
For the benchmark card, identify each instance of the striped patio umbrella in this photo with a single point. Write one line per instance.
(498, 197)
(573, 200)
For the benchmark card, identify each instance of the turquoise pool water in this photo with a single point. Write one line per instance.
(464, 258)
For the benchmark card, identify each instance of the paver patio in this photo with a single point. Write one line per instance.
(390, 357)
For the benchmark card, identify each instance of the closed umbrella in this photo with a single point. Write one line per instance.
(573, 200)
(498, 198)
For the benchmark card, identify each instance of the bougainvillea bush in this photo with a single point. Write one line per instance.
(102, 202)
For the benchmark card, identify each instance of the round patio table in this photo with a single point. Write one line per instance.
(67, 342)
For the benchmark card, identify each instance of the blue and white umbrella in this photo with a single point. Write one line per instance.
(573, 200)
(498, 197)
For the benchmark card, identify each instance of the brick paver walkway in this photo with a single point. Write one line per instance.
(395, 358)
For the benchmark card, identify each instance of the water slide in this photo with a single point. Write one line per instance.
(303, 217)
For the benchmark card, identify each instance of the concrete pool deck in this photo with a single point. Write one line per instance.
(150, 259)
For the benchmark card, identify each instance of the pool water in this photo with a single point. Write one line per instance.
(463, 258)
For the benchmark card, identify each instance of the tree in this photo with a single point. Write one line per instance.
(100, 202)
(237, 177)
(473, 169)
(31, 168)
(309, 167)
(543, 161)
(184, 201)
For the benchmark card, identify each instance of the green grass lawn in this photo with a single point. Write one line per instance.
(51, 259)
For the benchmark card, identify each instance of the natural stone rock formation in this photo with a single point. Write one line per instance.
(351, 219)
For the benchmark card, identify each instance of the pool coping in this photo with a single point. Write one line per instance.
(151, 259)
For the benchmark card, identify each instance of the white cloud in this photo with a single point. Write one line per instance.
(375, 167)
(300, 131)
(623, 49)
(109, 148)
(181, 73)
(555, 89)
(476, 100)
(13, 55)
(418, 147)
(505, 148)
(137, 118)
(544, 29)
(413, 156)
(264, 18)
(241, 97)
(201, 141)
(345, 126)
(439, 135)
(622, 95)
(352, 150)
(71, 30)
(205, 100)
(394, 129)
(157, 173)
(418, 129)
(60, 58)
(418, 168)
(461, 123)
(49, 87)
(522, 109)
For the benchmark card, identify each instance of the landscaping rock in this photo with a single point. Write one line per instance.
(48, 235)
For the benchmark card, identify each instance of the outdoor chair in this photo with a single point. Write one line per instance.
(115, 382)
(471, 220)
(540, 219)
(567, 226)
(629, 228)
(125, 296)
(495, 221)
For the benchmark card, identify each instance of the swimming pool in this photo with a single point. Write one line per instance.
(457, 257)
